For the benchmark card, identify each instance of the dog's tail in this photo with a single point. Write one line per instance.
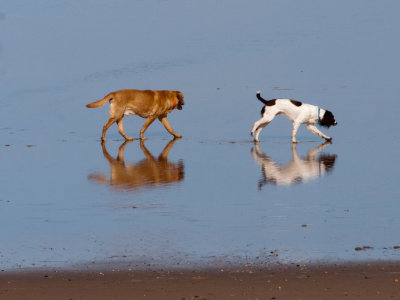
(100, 102)
(261, 98)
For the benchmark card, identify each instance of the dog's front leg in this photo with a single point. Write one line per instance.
(314, 129)
(164, 121)
(146, 124)
(296, 126)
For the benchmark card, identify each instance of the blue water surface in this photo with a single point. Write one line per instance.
(66, 201)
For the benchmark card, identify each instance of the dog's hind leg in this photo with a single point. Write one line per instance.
(105, 128)
(260, 124)
(258, 130)
(116, 113)
(314, 129)
(120, 124)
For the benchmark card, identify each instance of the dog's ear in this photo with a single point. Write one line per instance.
(327, 120)
(179, 95)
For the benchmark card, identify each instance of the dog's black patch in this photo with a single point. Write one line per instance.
(262, 111)
(327, 120)
(297, 103)
(270, 102)
(266, 102)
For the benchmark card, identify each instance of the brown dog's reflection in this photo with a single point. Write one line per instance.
(148, 173)
(297, 170)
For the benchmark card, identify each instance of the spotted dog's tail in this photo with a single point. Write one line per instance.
(266, 102)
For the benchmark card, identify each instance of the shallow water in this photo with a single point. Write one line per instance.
(213, 195)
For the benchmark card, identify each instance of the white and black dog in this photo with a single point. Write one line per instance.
(295, 111)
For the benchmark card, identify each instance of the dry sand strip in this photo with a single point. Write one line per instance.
(346, 281)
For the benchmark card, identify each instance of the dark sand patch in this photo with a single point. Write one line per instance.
(346, 281)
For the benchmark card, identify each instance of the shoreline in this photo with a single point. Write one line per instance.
(351, 280)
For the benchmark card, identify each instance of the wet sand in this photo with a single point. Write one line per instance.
(346, 281)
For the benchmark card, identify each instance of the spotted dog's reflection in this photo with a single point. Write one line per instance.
(149, 172)
(297, 170)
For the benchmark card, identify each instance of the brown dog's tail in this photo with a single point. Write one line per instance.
(100, 102)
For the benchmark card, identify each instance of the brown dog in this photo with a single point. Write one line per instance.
(146, 104)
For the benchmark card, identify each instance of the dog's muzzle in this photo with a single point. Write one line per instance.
(334, 124)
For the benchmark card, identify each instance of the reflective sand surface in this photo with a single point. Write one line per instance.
(212, 196)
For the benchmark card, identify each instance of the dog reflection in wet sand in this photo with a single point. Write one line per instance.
(297, 170)
(147, 173)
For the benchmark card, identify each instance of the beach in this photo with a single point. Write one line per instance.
(374, 280)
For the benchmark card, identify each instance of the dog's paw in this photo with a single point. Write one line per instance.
(177, 136)
(295, 142)
(329, 139)
(251, 133)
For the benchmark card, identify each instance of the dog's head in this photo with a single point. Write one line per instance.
(328, 120)
(181, 102)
